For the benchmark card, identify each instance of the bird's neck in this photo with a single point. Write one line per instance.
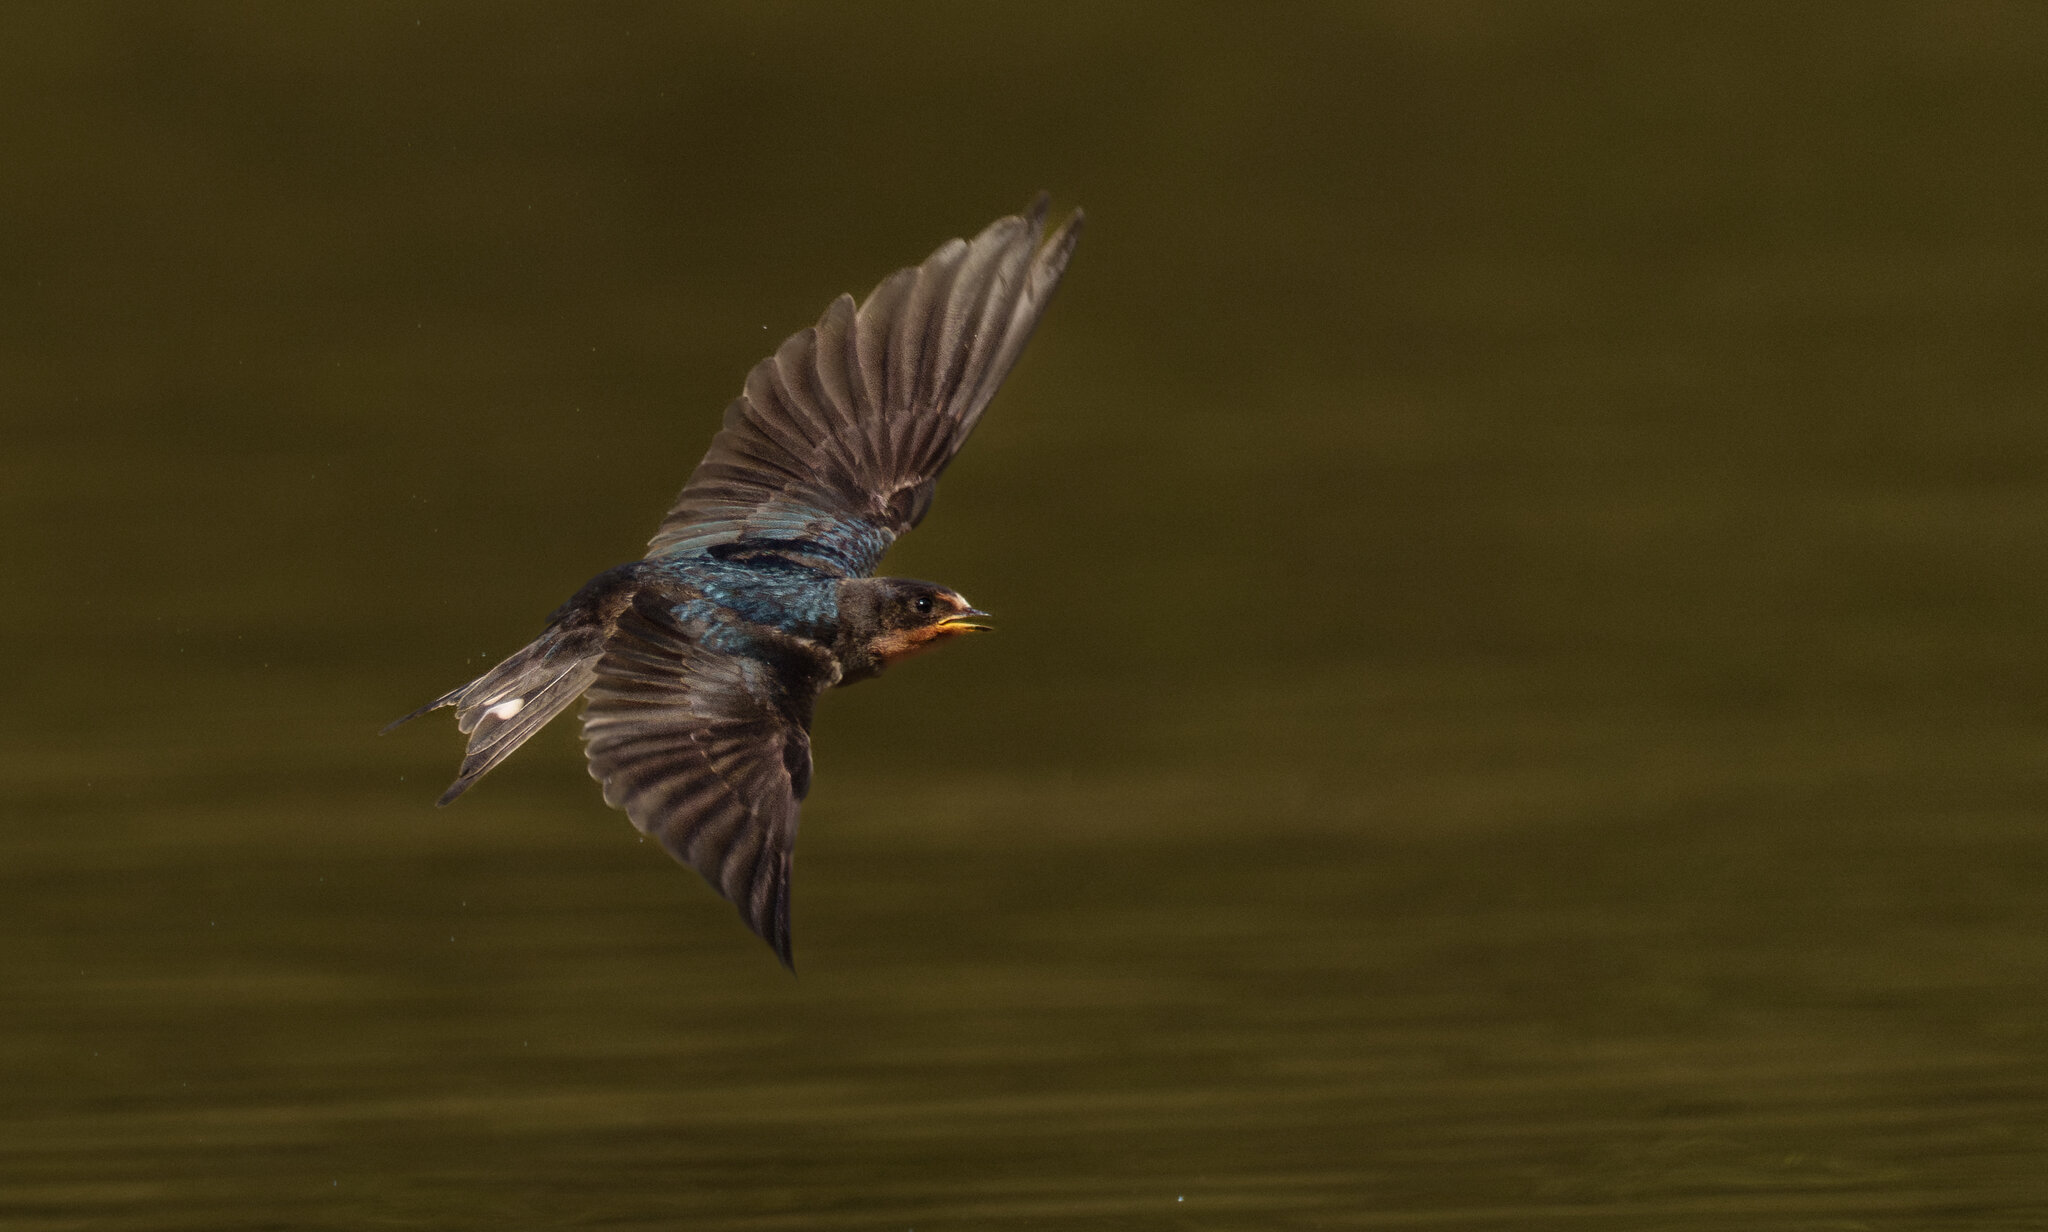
(860, 627)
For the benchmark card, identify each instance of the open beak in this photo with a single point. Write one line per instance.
(966, 621)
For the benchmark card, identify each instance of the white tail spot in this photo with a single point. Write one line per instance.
(505, 710)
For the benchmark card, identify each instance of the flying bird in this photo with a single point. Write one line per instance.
(702, 661)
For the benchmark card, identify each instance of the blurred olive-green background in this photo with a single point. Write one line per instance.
(1519, 548)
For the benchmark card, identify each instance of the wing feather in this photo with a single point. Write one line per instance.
(839, 437)
(709, 753)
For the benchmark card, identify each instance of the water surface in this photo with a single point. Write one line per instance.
(1519, 694)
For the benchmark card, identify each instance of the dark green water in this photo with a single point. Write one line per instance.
(1520, 700)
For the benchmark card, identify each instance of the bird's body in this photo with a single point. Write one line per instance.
(701, 662)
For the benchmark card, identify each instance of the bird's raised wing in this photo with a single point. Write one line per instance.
(834, 448)
(708, 752)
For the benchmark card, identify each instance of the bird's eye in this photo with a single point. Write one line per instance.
(923, 605)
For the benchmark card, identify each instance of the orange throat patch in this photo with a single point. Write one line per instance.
(898, 645)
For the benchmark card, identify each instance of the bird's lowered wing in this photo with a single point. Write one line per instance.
(834, 448)
(709, 753)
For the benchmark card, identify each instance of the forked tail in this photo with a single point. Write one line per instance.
(501, 709)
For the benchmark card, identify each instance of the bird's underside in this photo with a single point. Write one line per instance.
(701, 662)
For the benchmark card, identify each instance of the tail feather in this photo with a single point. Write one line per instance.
(446, 699)
(501, 709)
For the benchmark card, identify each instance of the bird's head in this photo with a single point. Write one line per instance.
(897, 617)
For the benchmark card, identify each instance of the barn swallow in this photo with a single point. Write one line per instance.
(701, 662)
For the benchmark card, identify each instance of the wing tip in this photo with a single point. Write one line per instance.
(1040, 209)
(1058, 248)
(1041, 205)
(1071, 229)
(772, 925)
